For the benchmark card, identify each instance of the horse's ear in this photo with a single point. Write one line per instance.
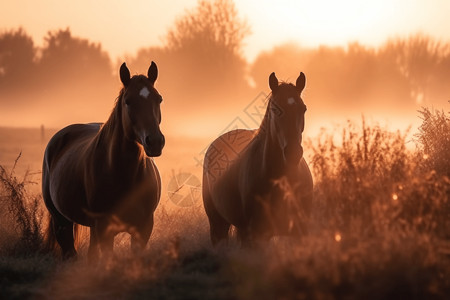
(124, 75)
(301, 82)
(152, 73)
(273, 82)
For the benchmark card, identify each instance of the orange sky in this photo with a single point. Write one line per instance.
(125, 26)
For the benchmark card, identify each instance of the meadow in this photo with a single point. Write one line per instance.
(380, 228)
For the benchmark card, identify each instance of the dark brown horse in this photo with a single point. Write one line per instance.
(102, 176)
(257, 180)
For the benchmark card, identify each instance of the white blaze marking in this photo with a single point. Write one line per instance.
(144, 92)
(291, 101)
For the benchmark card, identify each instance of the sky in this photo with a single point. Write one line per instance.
(124, 26)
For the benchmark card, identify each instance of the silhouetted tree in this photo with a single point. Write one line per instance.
(354, 79)
(64, 55)
(17, 59)
(212, 23)
(419, 58)
(287, 60)
(76, 76)
(207, 42)
(142, 59)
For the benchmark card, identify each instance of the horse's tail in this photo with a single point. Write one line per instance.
(50, 243)
(76, 235)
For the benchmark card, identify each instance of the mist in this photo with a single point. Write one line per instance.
(376, 139)
(205, 79)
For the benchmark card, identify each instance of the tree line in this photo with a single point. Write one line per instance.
(202, 65)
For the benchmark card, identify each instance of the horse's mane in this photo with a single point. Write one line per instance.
(266, 118)
(115, 116)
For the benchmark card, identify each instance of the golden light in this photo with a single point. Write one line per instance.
(337, 237)
(394, 197)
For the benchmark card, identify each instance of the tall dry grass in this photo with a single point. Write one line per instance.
(380, 229)
(21, 214)
(368, 183)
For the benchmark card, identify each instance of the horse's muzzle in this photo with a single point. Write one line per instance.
(154, 144)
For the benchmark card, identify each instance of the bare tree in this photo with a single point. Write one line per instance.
(207, 41)
(210, 24)
(418, 59)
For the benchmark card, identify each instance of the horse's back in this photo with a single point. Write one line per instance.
(220, 168)
(224, 150)
(68, 136)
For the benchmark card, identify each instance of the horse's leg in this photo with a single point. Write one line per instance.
(101, 240)
(105, 238)
(63, 229)
(244, 236)
(219, 229)
(139, 238)
(93, 251)
(218, 226)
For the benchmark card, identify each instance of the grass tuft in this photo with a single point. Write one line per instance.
(21, 213)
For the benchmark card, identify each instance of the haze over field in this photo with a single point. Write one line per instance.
(379, 222)
(122, 27)
(383, 59)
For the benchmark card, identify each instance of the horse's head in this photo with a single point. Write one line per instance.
(141, 113)
(287, 117)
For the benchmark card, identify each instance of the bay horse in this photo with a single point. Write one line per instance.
(258, 180)
(103, 175)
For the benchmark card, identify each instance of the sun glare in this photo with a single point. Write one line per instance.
(311, 23)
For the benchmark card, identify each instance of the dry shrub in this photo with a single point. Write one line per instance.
(319, 267)
(434, 140)
(356, 174)
(21, 215)
(369, 183)
(186, 227)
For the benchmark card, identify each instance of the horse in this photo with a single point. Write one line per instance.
(257, 180)
(103, 175)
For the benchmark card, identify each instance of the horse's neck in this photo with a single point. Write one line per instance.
(271, 153)
(114, 148)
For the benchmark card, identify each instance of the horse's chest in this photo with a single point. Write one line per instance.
(124, 192)
(274, 200)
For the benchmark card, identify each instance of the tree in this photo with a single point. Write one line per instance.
(76, 77)
(419, 59)
(64, 55)
(17, 59)
(286, 60)
(207, 42)
(211, 24)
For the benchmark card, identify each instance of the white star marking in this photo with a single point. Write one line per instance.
(144, 92)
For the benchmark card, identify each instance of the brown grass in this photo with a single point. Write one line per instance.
(380, 229)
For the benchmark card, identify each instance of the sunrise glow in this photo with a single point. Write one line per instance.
(124, 28)
(224, 149)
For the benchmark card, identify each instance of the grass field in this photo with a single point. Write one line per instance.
(380, 229)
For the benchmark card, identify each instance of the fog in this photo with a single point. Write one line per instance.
(208, 85)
